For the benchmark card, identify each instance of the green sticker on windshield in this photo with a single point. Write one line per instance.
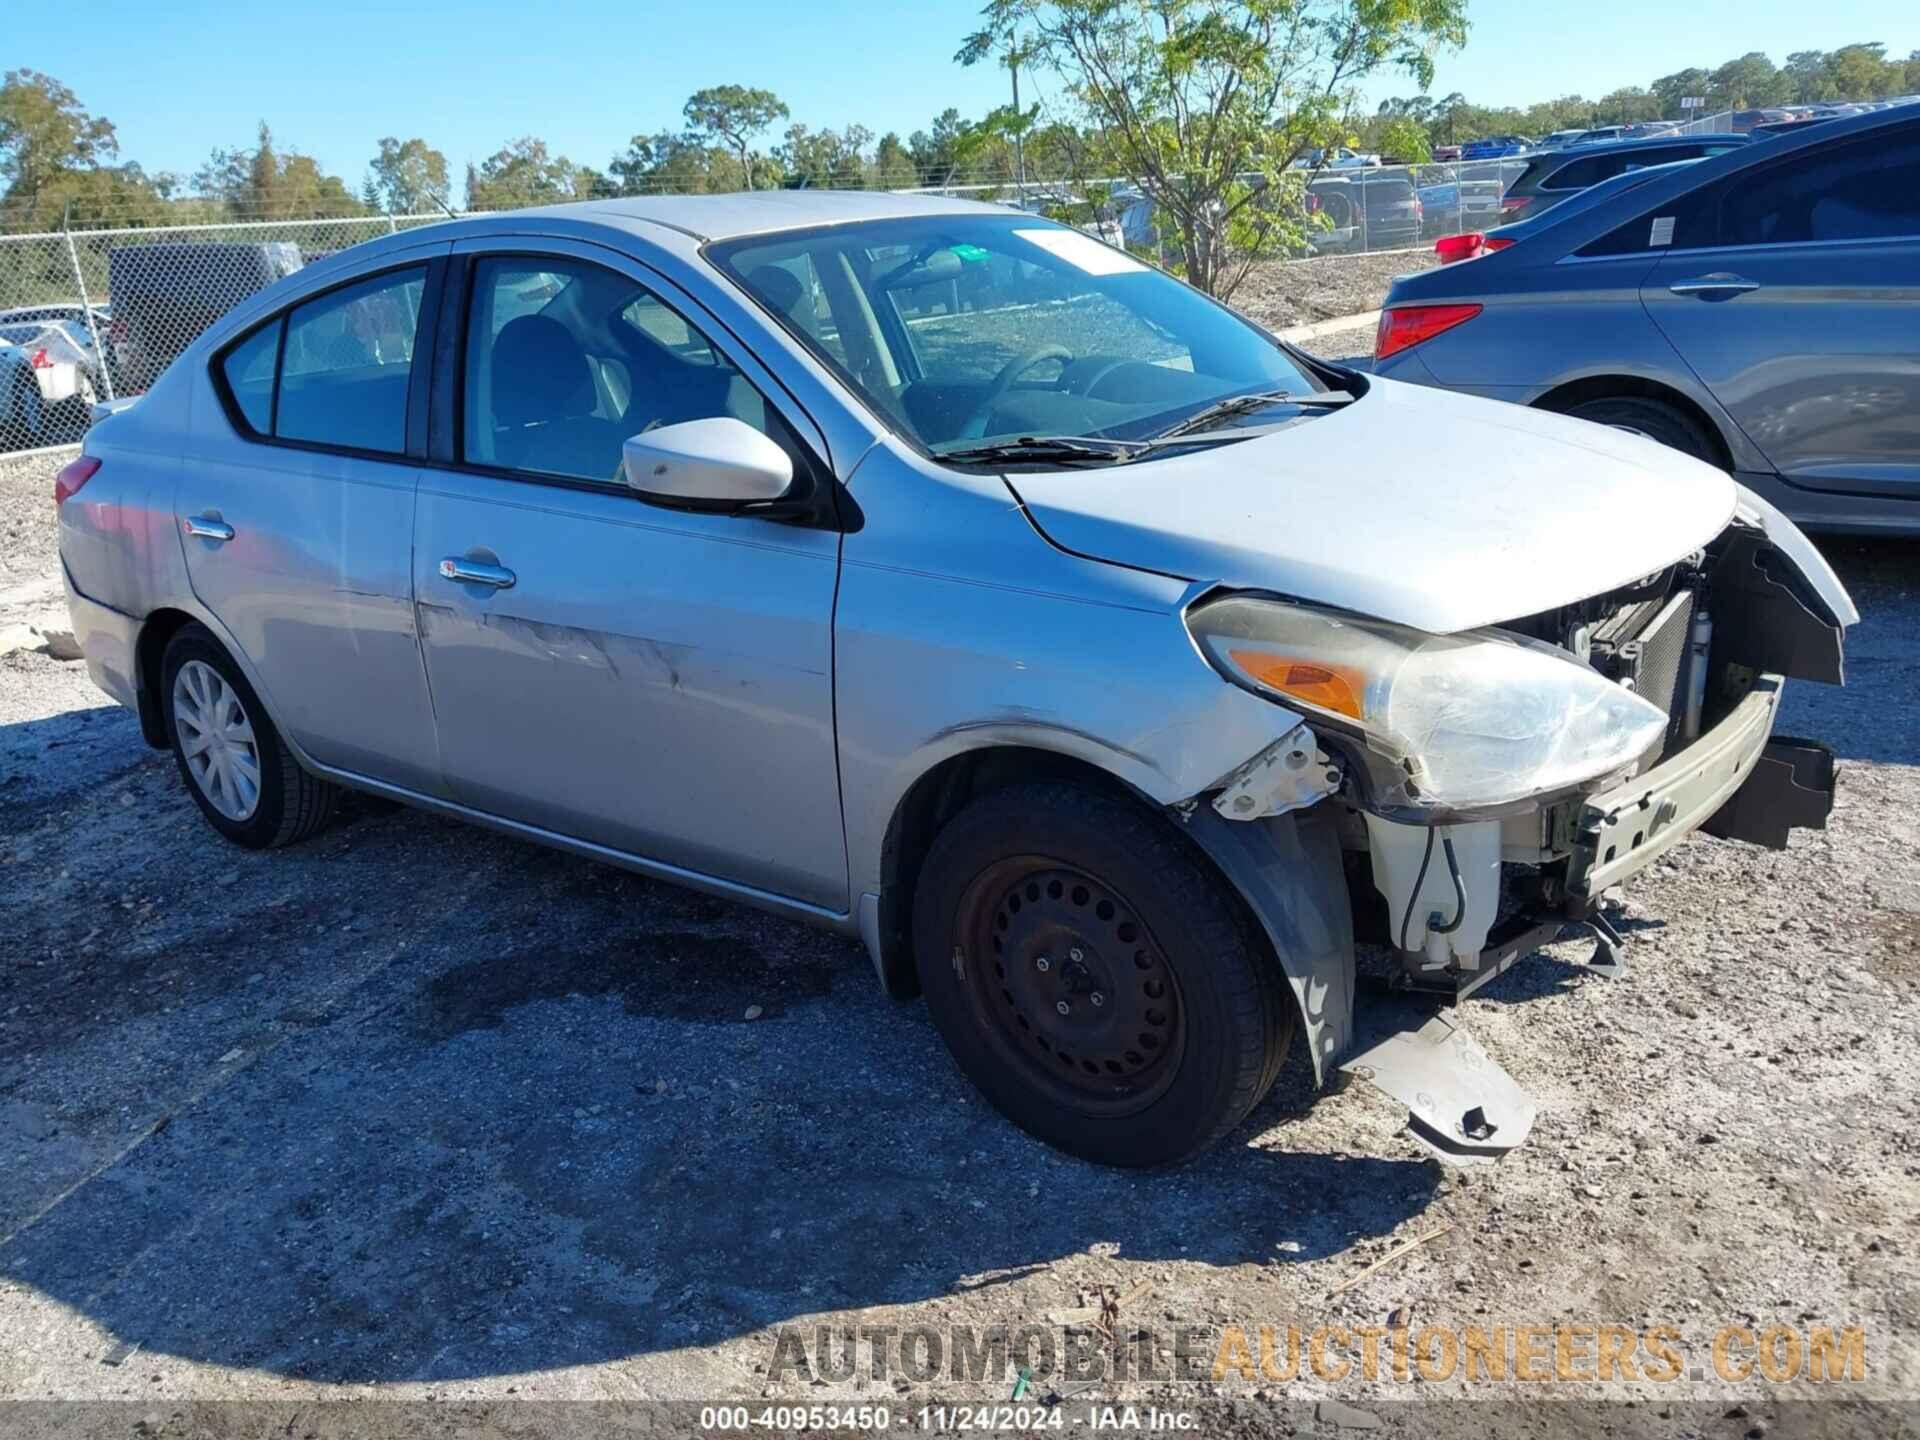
(969, 252)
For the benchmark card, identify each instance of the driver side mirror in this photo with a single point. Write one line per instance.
(714, 464)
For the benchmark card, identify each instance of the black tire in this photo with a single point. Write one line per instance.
(1654, 419)
(1147, 924)
(290, 805)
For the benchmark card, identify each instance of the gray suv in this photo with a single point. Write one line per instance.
(1759, 310)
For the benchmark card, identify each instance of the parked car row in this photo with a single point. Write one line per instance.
(1756, 308)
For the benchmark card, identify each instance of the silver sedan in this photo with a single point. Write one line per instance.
(945, 576)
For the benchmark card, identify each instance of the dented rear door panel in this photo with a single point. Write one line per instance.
(656, 681)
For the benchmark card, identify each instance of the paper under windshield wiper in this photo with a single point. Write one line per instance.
(1240, 404)
(1043, 448)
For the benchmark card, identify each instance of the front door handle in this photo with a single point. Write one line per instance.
(476, 572)
(1710, 285)
(206, 527)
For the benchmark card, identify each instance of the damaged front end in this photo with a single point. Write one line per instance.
(1479, 801)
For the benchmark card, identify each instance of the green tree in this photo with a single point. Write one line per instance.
(45, 134)
(1748, 83)
(1671, 89)
(820, 159)
(1861, 72)
(935, 150)
(1629, 105)
(1206, 103)
(893, 164)
(263, 184)
(523, 173)
(1402, 140)
(1807, 77)
(733, 115)
(408, 177)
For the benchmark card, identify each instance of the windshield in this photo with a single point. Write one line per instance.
(964, 329)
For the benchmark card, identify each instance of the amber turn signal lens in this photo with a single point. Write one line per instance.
(1335, 688)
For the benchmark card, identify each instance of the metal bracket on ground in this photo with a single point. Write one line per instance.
(1460, 1104)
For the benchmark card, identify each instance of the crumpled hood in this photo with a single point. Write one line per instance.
(1440, 511)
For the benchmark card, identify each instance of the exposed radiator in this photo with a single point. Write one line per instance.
(1646, 646)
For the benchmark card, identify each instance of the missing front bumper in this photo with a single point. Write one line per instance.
(1622, 831)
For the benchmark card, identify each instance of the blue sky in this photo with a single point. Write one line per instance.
(178, 78)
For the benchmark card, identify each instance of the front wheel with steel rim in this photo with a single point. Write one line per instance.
(237, 768)
(1094, 976)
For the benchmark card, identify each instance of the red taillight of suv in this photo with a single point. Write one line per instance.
(72, 476)
(1407, 325)
(1514, 204)
(1470, 246)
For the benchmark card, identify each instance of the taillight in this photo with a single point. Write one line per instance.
(1514, 204)
(1470, 246)
(1407, 325)
(41, 360)
(72, 476)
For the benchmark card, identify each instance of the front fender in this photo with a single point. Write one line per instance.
(1288, 869)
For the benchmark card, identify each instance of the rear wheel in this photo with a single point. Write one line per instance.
(1099, 984)
(1655, 419)
(238, 769)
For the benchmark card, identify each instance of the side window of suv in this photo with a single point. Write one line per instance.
(340, 377)
(565, 360)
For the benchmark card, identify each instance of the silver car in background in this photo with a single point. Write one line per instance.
(939, 574)
(1759, 310)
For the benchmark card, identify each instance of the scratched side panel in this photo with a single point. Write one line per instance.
(654, 681)
(315, 588)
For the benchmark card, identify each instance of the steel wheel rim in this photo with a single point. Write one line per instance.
(1116, 1047)
(216, 740)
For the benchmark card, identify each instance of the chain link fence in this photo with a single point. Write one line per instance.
(95, 315)
(88, 316)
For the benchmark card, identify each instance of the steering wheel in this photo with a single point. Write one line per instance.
(976, 425)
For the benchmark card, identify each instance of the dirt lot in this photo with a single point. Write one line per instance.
(1297, 292)
(414, 1110)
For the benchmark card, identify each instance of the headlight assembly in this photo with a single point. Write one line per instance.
(1474, 721)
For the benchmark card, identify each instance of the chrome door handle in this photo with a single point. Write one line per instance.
(205, 527)
(476, 572)
(1714, 285)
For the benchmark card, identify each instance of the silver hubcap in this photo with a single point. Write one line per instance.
(217, 740)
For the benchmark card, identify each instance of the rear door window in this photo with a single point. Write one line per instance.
(1866, 190)
(248, 367)
(347, 363)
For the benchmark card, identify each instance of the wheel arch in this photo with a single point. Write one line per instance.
(149, 650)
(1566, 396)
(939, 794)
(1285, 871)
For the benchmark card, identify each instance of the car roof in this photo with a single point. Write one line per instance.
(1646, 142)
(1579, 225)
(755, 212)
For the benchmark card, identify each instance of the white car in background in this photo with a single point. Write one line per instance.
(48, 382)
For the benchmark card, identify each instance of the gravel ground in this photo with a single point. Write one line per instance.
(417, 1111)
(1298, 292)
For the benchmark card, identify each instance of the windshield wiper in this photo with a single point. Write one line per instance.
(1241, 404)
(1057, 449)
